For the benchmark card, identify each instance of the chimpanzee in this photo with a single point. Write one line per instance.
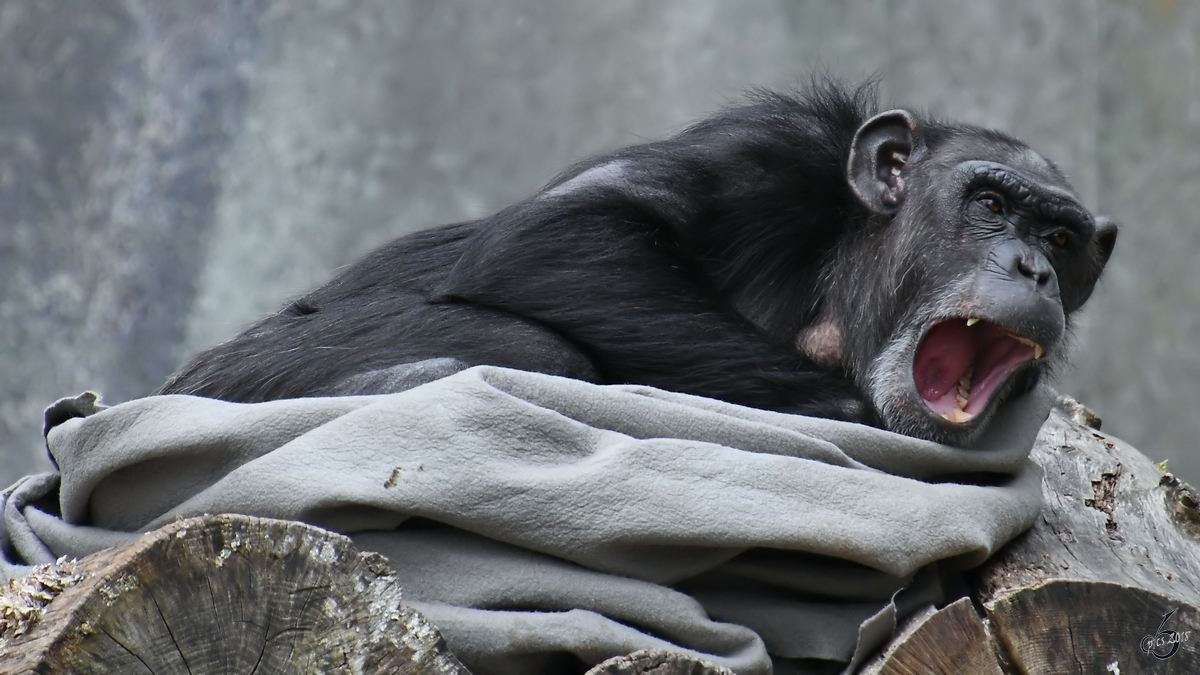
(799, 253)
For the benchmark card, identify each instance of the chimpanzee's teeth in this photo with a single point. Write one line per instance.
(964, 389)
(958, 416)
(961, 397)
(1037, 349)
(972, 321)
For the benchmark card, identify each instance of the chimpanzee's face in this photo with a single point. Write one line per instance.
(994, 254)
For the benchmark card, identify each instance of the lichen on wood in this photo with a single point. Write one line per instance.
(24, 599)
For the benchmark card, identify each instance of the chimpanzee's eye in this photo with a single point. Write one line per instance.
(1059, 239)
(991, 204)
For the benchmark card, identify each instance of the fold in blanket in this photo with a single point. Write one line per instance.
(539, 521)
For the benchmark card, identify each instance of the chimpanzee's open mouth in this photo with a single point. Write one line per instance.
(962, 362)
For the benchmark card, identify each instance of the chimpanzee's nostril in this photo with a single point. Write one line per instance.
(1039, 273)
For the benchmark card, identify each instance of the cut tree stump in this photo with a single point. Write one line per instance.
(224, 594)
(655, 662)
(1106, 581)
(952, 641)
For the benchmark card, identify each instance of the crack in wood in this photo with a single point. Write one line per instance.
(1104, 496)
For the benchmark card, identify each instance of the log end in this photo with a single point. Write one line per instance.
(227, 594)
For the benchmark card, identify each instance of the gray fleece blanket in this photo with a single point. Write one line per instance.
(541, 521)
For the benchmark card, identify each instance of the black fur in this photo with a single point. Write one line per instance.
(690, 264)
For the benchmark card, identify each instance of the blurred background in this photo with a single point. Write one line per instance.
(170, 171)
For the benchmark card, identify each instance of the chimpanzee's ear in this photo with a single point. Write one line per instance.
(1106, 238)
(881, 149)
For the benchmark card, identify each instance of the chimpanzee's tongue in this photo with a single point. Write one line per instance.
(944, 357)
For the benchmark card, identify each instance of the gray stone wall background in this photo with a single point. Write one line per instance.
(171, 170)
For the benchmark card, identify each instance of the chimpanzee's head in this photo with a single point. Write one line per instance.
(977, 252)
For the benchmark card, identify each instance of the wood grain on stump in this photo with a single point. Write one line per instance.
(952, 641)
(655, 662)
(231, 594)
